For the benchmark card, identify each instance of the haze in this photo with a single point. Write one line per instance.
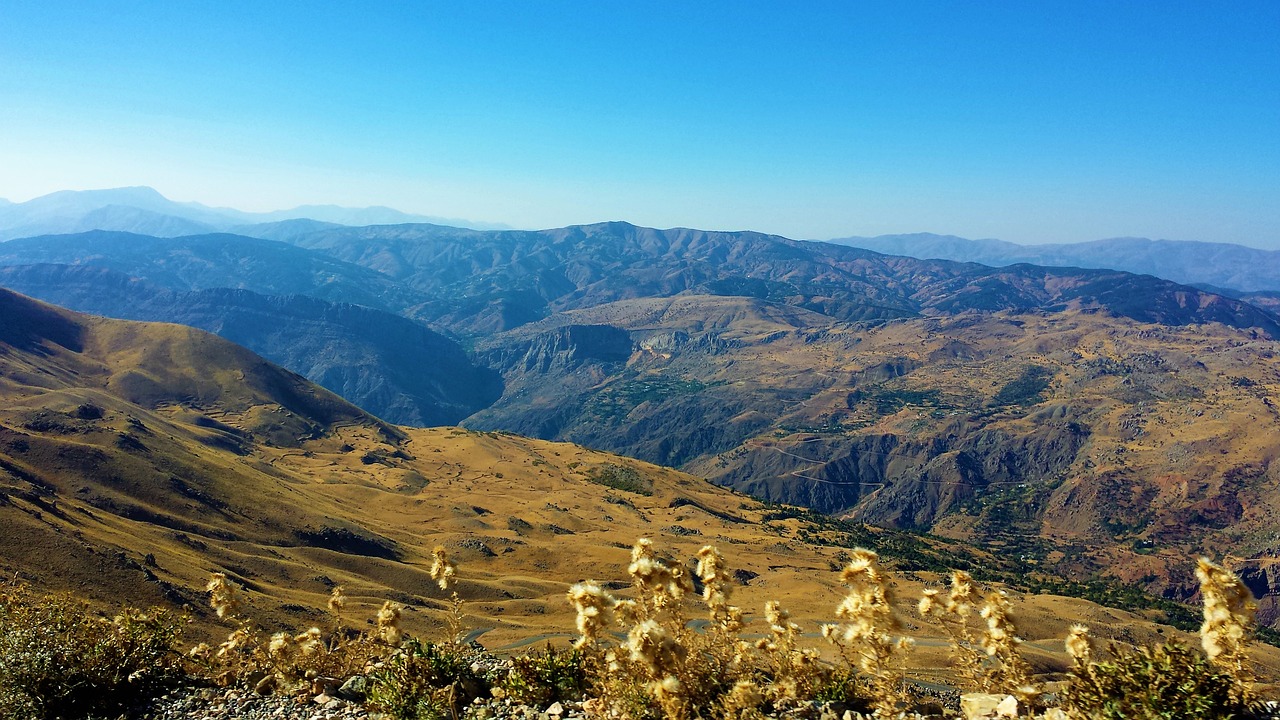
(1043, 122)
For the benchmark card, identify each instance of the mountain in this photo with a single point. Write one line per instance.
(395, 368)
(483, 282)
(1194, 263)
(918, 394)
(144, 210)
(204, 262)
(136, 458)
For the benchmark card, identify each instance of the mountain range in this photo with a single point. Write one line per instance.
(136, 458)
(1217, 265)
(143, 210)
(1093, 421)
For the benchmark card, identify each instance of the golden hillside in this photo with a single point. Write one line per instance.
(135, 459)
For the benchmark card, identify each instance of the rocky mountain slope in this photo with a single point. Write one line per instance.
(989, 403)
(1195, 263)
(137, 458)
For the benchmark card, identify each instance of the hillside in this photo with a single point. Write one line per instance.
(1222, 265)
(396, 368)
(1083, 440)
(137, 458)
(918, 394)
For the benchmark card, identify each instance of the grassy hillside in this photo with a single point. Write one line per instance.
(136, 459)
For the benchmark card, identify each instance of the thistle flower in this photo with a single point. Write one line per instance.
(223, 595)
(1001, 642)
(1229, 621)
(863, 638)
(388, 623)
(442, 570)
(203, 651)
(234, 641)
(337, 600)
(927, 603)
(716, 585)
(281, 646)
(595, 611)
(653, 647)
(962, 595)
(1077, 644)
(309, 641)
(663, 585)
(744, 697)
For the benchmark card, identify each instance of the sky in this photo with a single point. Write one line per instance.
(1025, 121)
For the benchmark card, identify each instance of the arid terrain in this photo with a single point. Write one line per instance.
(139, 458)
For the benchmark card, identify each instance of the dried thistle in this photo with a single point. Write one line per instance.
(309, 642)
(717, 585)
(1229, 622)
(224, 596)
(863, 637)
(337, 600)
(388, 624)
(442, 569)
(743, 701)
(660, 585)
(1077, 644)
(595, 611)
(1010, 673)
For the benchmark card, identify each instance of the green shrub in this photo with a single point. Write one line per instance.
(1168, 682)
(425, 681)
(620, 477)
(58, 659)
(545, 677)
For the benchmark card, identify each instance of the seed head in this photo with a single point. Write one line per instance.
(442, 570)
(388, 623)
(223, 595)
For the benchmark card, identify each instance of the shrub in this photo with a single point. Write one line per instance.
(424, 681)
(58, 659)
(1168, 682)
(545, 677)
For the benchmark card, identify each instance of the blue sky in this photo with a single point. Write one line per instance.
(1027, 121)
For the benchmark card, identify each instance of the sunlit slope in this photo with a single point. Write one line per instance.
(135, 459)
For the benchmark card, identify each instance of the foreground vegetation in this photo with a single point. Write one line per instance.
(636, 657)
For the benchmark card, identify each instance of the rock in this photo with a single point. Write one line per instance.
(321, 699)
(977, 706)
(355, 689)
(556, 709)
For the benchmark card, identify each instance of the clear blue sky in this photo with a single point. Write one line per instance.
(1028, 121)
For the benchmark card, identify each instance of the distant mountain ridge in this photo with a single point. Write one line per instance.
(143, 210)
(1221, 265)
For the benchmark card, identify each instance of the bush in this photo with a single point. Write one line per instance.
(542, 678)
(424, 681)
(58, 659)
(1168, 682)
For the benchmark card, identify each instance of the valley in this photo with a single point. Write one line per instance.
(1096, 423)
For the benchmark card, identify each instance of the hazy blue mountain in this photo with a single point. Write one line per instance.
(283, 230)
(1194, 263)
(143, 210)
(393, 367)
(484, 282)
(201, 262)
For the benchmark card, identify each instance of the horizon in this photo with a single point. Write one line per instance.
(1054, 123)
(472, 223)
